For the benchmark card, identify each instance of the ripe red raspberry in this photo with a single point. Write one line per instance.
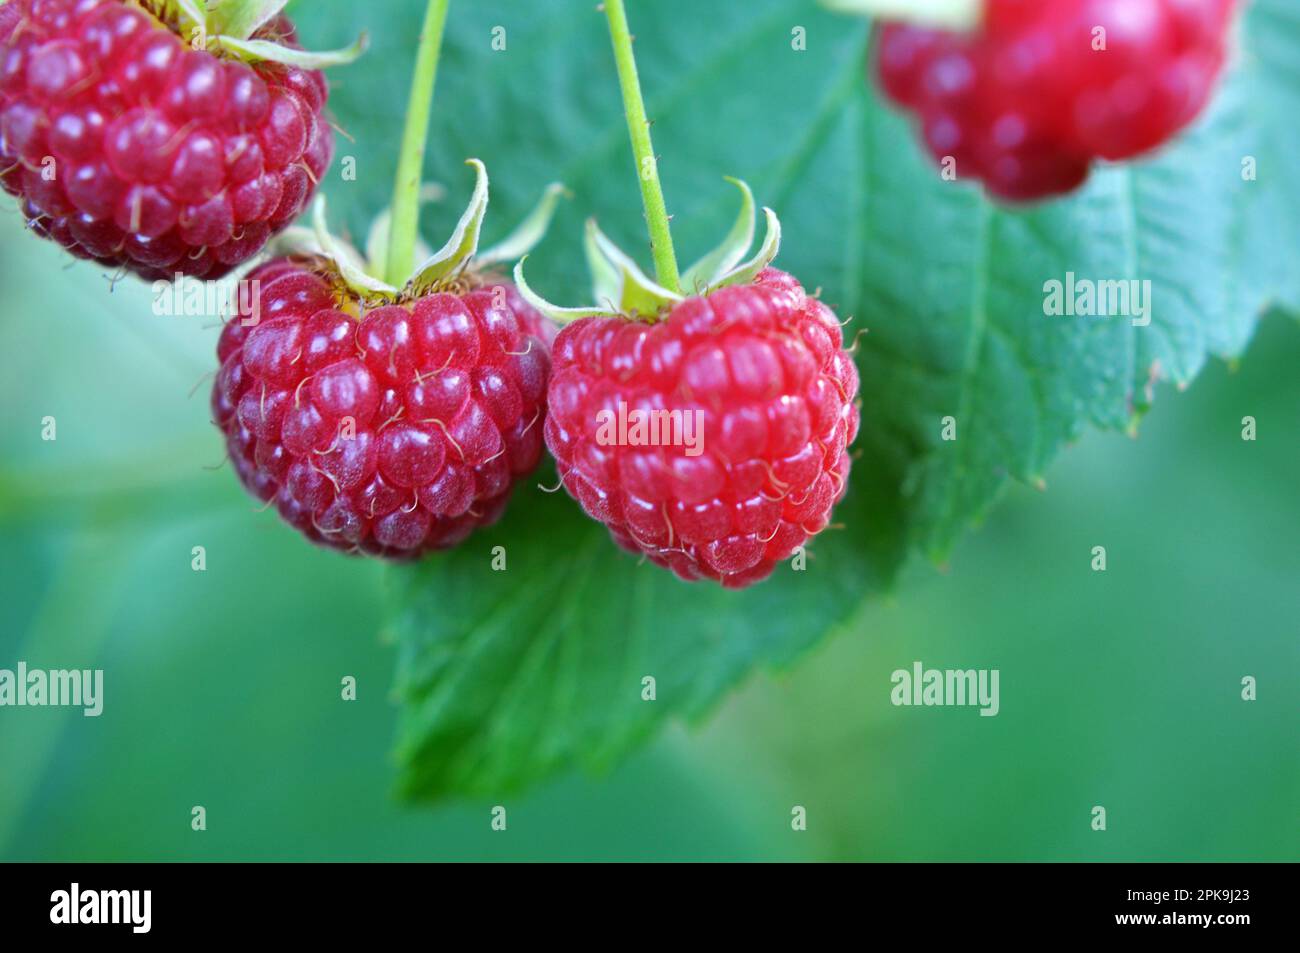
(762, 367)
(391, 431)
(1028, 101)
(128, 147)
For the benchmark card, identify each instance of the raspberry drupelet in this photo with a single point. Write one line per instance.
(762, 367)
(390, 431)
(1043, 88)
(128, 147)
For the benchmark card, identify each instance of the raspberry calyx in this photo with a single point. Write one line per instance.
(381, 420)
(707, 431)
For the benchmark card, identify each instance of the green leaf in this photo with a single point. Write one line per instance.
(527, 233)
(506, 678)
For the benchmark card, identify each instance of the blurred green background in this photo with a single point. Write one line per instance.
(222, 688)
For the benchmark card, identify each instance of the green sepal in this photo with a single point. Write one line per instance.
(946, 14)
(727, 255)
(294, 241)
(746, 273)
(382, 227)
(455, 255)
(242, 18)
(229, 25)
(529, 232)
(556, 313)
(189, 15)
(347, 260)
(637, 294)
(265, 50)
(606, 284)
(620, 287)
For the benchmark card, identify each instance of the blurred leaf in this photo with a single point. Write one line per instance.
(507, 677)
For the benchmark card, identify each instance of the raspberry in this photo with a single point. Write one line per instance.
(394, 433)
(762, 367)
(1028, 102)
(166, 159)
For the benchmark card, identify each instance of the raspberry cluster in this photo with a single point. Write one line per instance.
(126, 146)
(1045, 87)
(392, 431)
(762, 368)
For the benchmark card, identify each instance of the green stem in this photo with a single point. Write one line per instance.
(652, 194)
(410, 164)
